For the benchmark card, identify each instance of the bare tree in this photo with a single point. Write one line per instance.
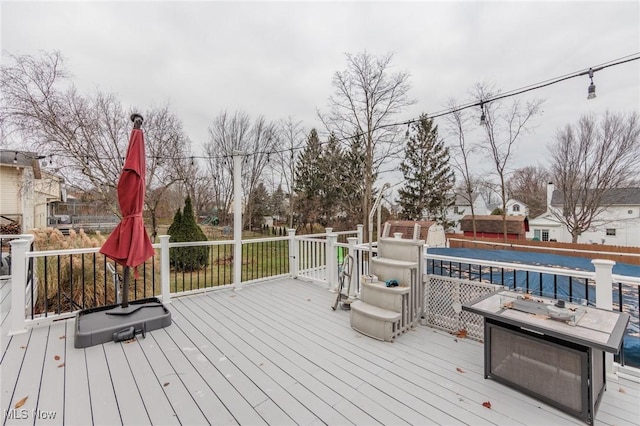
(257, 141)
(529, 185)
(458, 122)
(367, 96)
(291, 139)
(87, 135)
(589, 162)
(503, 126)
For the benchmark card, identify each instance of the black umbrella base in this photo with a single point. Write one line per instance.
(95, 326)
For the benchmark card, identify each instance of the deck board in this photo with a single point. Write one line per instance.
(177, 394)
(272, 353)
(104, 405)
(130, 403)
(53, 372)
(77, 400)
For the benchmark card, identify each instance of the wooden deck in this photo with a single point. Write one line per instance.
(270, 353)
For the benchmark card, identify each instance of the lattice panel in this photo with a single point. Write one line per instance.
(443, 299)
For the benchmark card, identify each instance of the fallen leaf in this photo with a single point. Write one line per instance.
(462, 333)
(308, 300)
(62, 337)
(261, 364)
(130, 340)
(460, 370)
(486, 404)
(23, 347)
(61, 365)
(233, 295)
(455, 340)
(57, 357)
(166, 384)
(21, 402)
(622, 390)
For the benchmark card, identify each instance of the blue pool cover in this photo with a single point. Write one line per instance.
(547, 284)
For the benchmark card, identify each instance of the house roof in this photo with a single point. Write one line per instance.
(463, 199)
(493, 224)
(614, 196)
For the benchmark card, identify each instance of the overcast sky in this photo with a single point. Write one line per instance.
(278, 58)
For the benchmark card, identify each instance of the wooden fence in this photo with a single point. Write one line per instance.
(620, 254)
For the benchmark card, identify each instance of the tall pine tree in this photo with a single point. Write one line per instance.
(309, 184)
(429, 178)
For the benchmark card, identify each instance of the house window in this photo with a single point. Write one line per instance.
(545, 235)
(456, 210)
(536, 234)
(611, 232)
(516, 207)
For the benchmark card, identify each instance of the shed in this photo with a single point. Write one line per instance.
(490, 226)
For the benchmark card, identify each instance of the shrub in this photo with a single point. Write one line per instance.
(185, 229)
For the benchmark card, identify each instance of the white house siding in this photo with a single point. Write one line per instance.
(10, 178)
(623, 221)
(626, 227)
(21, 195)
(462, 208)
(516, 208)
(547, 228)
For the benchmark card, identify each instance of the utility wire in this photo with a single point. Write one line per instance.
(437, 114)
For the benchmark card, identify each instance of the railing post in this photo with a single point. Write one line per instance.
(293, 253)
(164, 268)
(360, 230)
(604, 295)
(332, 261)
(604, 280)
(19, 249)
(355, 274)
(237, 218)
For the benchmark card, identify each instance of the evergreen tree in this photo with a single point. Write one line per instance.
(259, 199)
(309, 182)
(429, 178)
(353, 190)
(185, 229)
(278, 203)
(332, 175)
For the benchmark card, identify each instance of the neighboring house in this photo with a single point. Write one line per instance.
(490, 226)
(618, 224)
(27, 191)
(517, 208)
(462, 207)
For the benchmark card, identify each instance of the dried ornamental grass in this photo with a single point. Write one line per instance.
(70, 282)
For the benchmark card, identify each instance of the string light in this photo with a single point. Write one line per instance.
(15, 158)
(591, 91)
(591, 95)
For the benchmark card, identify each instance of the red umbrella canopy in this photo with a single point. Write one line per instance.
(129, 243)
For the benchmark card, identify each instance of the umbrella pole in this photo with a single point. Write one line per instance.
(125, 287)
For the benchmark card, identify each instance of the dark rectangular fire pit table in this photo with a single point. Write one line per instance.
(553, 353)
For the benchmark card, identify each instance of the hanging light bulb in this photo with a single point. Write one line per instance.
(192, 161)
(406, 134)
(15, 158)
(591, 91)
(483, 118)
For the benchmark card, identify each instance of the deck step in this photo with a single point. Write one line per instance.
(392, 269)
(381, 296)
(374, 321)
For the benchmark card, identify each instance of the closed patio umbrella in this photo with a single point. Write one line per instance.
(129, 243)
